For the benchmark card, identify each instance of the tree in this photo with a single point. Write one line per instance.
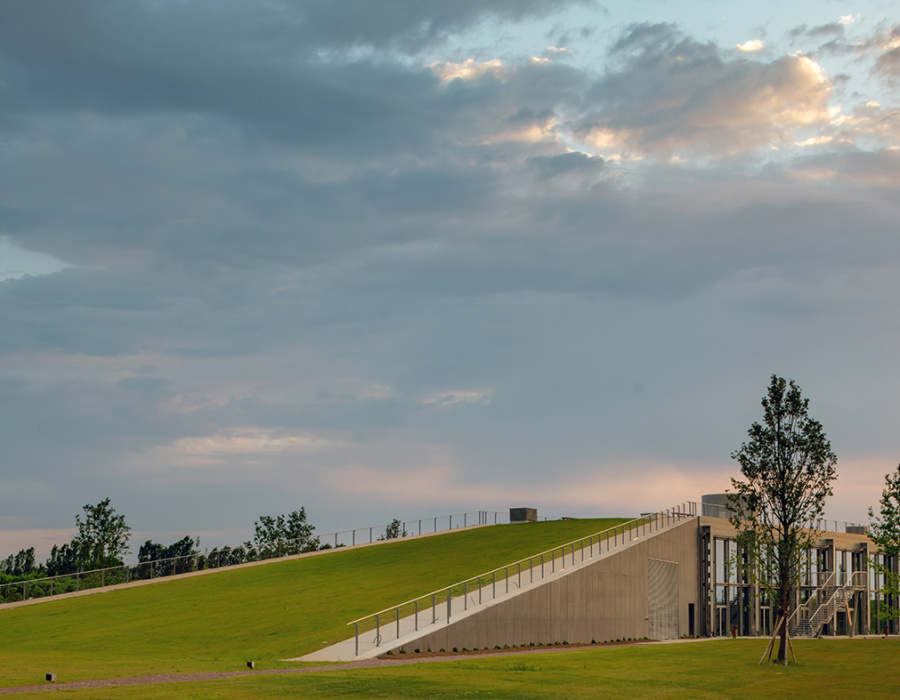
(102, 538)
(62, 560)
(788, 467)
(279, 535)
(176, 558)
(885, 533)
(394, 530)
(19, 565)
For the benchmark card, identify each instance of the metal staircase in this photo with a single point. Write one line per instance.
(809, 619)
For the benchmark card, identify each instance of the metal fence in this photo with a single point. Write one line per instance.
(232, 556)
(715, 510)
(438, 606)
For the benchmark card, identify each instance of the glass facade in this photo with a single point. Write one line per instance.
(739, 606)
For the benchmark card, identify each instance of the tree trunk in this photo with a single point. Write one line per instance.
(785, 610)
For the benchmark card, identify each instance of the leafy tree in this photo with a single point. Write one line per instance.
(394, 530)
(280, 535)
(151, 551)
(176, 558)
(885, 533)
(102, 538)
(788, 467)
(62, 560)
(20, 564)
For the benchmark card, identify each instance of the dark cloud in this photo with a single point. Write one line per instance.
(548, 167)
(297, 252)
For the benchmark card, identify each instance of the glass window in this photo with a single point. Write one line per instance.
(721, 560)
(721, 595)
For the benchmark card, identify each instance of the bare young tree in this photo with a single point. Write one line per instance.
(787, 467)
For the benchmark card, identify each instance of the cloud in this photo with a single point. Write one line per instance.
(750, 46)
(888, 62)
(672, 94)
(354, 260)
(16, 263)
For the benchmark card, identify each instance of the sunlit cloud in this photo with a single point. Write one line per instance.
(750, 46)
(715, 109)
(239, 443)
(468, 69)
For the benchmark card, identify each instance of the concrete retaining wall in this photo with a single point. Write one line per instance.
(606, 600)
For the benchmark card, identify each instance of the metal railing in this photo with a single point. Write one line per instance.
(47, 586)
(420, 526)
(717, 510)
(809, 618)
(438, 606)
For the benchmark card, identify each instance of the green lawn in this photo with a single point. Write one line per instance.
(265, 613)
(714, 669)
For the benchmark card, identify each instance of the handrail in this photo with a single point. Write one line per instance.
(818, 593)
(719, 510)
(612, 536)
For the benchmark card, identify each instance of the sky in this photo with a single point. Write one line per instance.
(405, 259)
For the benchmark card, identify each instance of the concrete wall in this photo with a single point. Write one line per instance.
(603, 601)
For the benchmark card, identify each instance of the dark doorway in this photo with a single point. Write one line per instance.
(691, 619)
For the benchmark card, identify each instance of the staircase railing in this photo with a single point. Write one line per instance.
(825, 601)
(438, 606)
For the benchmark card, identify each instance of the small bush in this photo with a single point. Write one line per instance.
(496, 646)
(417, 651)
(455, 649)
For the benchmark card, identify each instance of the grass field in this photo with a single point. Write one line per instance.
(711, 669)
(265, 613)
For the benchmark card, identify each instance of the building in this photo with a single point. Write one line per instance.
(838, 579)
(662, 576)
